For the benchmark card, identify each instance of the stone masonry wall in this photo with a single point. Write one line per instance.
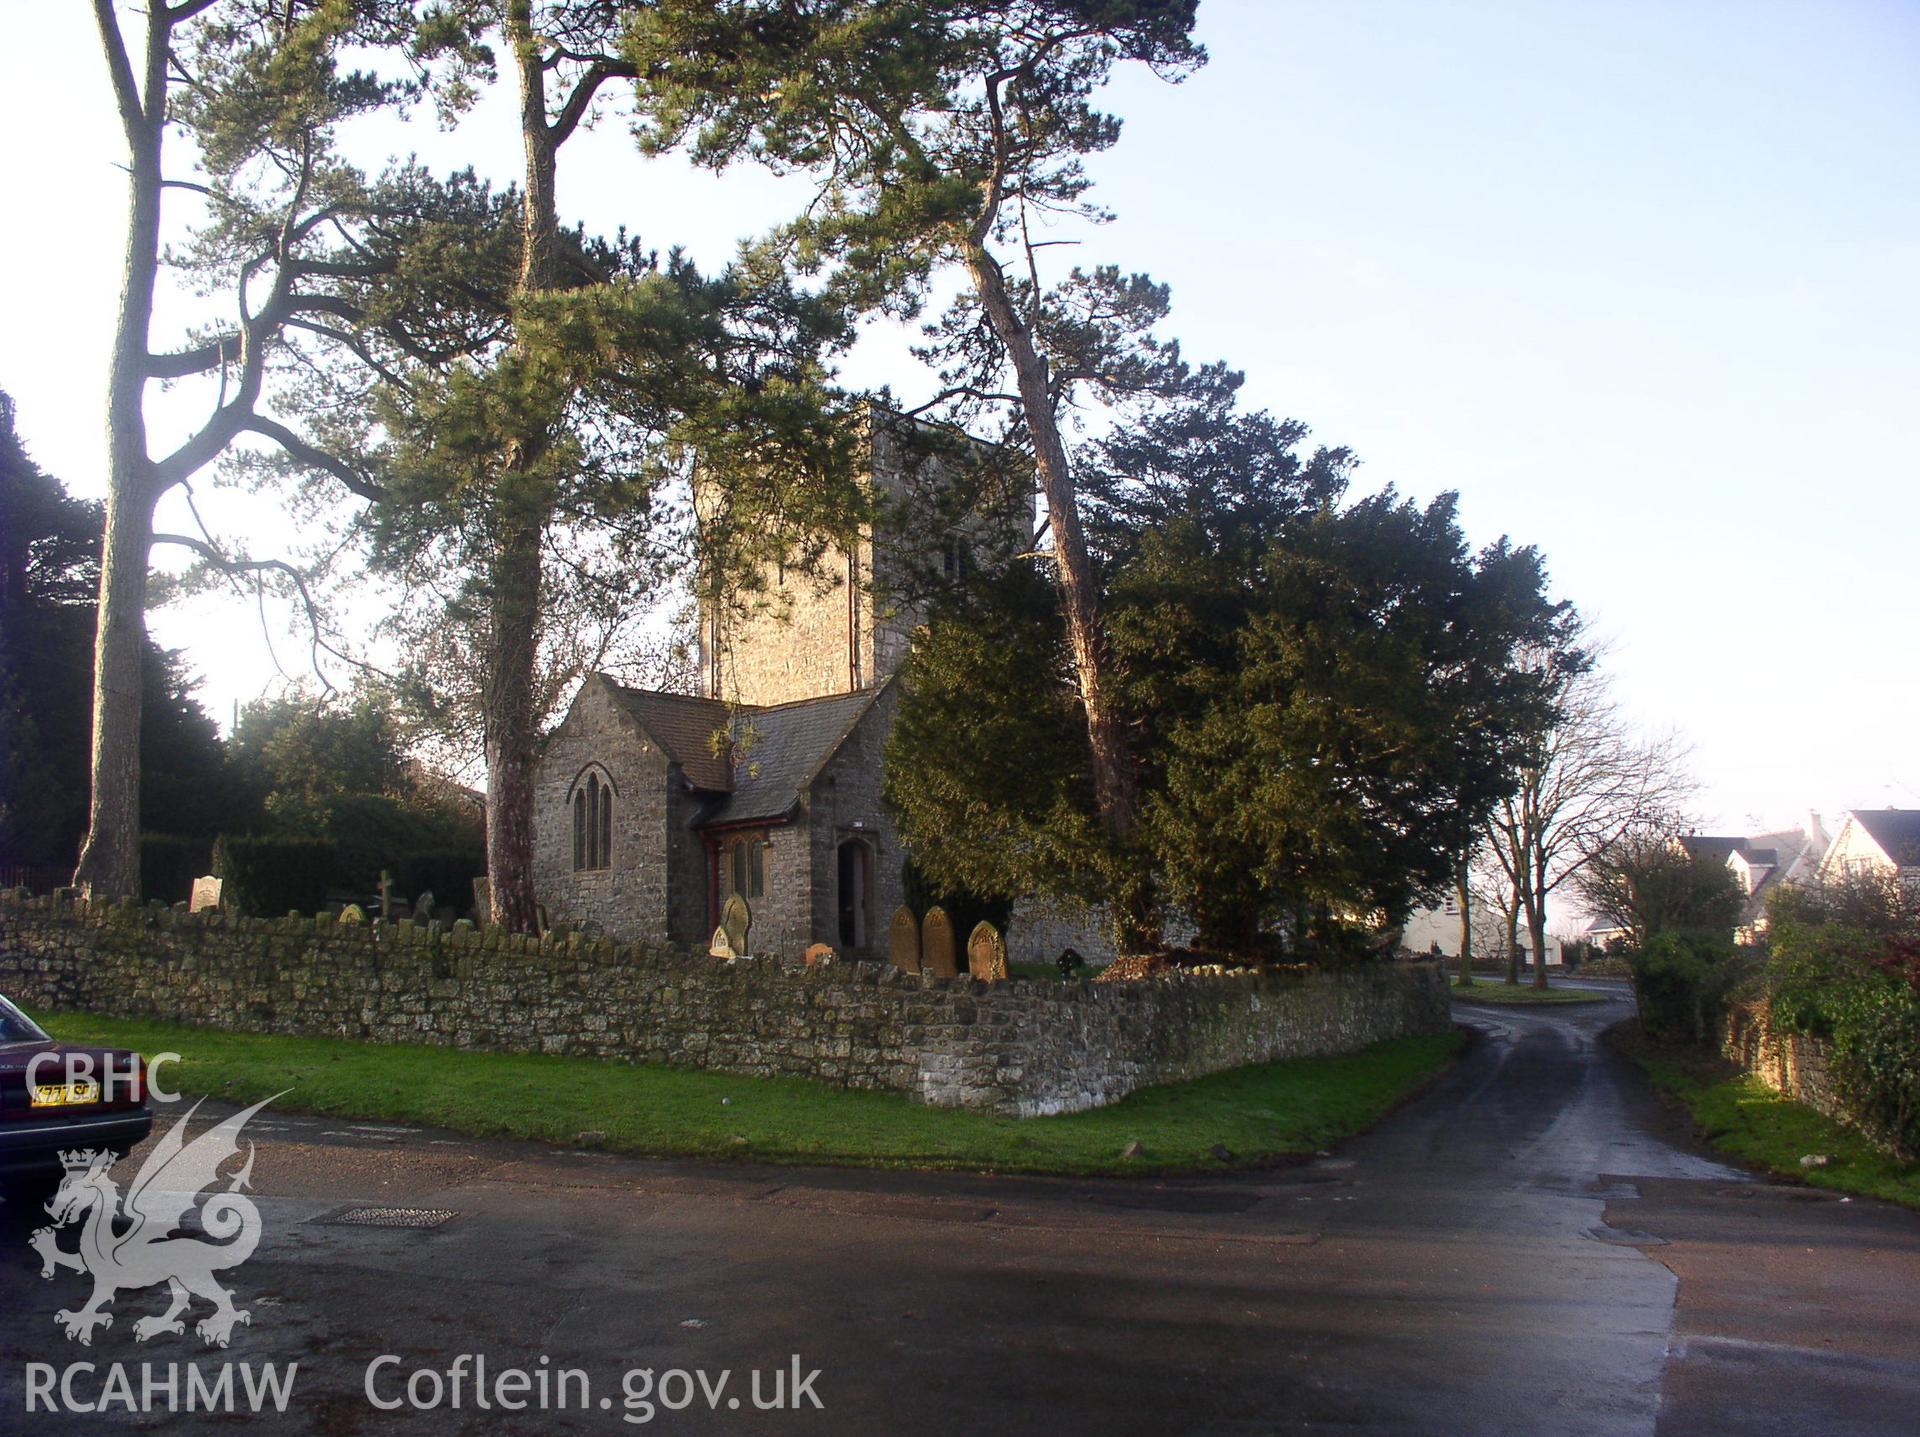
(1023, 1048)
(630, 895)
(1792, 1064)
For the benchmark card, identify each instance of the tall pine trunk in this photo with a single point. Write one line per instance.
(1114, 792)
(109, 864)
(521, 513)
(510, 728)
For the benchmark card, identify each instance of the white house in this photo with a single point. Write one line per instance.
(1875, 840)
(1437, 930)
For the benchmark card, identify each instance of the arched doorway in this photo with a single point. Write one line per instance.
(855, 891)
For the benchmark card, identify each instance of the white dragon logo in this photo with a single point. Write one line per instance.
(129, 1246)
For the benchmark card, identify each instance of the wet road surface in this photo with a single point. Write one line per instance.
(1532, 1247)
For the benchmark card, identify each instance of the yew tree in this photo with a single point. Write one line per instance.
(1324, 699)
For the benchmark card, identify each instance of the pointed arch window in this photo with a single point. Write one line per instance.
(592, 822)
(744, 869)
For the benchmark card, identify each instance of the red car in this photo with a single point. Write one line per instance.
(62, 1097)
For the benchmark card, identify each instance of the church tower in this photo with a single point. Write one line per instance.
(847, 626)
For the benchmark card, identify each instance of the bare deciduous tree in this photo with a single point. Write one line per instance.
(1592, 781)
(1647, 883)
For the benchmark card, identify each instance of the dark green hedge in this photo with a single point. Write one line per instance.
(271, 876)
(1683, 981)
(1859, 990)
(168, 865)
(277, 874)
(446, 873)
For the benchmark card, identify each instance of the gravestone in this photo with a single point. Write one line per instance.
(818, 953)
(986, 953)
(720, 945)
(737, 919)
(423, 907)
(206, 893)
(482, 901)
(903, 941)
(936, 944)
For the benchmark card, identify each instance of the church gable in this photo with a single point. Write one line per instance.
(857, 857)
(601, 805)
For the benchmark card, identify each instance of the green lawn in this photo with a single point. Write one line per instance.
(1498, 990)
(1743, 1117)
(1048, 972)
(1258, 1114)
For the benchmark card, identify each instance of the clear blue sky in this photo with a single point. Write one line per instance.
(1640, 281)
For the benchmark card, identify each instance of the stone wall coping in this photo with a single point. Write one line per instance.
(841, 972)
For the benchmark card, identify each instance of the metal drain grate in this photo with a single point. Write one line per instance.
(414, 1217)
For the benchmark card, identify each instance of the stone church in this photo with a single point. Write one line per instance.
(652, 809)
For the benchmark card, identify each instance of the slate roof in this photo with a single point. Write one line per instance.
(1897, 830)
(787, 747)
(1778, 853)
(684, 727)
(1701, 845)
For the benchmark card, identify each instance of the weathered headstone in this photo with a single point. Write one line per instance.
(206, 893)
(482, 901)
(737, 919)
(818, 953)
(936, 944)
(720, 945)
(903, 940)
(423, 907)
(986, 953)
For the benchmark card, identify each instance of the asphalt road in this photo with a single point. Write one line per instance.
(1532, 1247)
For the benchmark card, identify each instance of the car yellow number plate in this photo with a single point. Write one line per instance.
(62, 1095)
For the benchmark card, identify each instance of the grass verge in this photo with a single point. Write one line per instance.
(1257, 1114)
(1742, 1117)
(1498, 990)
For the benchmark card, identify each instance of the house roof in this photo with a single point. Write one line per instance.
(1702, 845)
(684, 727)
(1896, 830)
(1778, 853)
(783, 748)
